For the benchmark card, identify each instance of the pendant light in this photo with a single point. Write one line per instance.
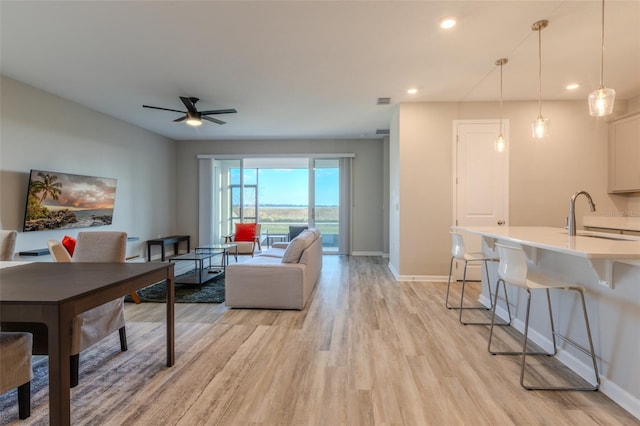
(500, 143)
(601, 100)
(540, 126)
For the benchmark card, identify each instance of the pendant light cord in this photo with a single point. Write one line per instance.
(602, 50)
(540, 72)
(501, 64)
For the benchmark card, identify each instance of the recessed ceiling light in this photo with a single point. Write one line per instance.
(412, 91)
(447, 23)
(572, 86)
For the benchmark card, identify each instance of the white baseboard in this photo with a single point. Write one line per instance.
(416, 278)
(620, 397)
(367, 253)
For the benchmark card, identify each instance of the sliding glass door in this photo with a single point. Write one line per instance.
(326, 201)
(280, 193)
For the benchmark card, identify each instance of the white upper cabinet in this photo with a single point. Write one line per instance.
(624, 155)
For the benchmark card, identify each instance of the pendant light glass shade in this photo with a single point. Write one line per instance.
(500, 142)
(540, 126)
(602, 99)
(601, 102)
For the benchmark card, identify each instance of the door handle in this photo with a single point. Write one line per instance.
(500, 222)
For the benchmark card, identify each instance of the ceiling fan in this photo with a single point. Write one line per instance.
(192, 116)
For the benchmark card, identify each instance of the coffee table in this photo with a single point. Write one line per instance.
(219, 248)
(197, 276)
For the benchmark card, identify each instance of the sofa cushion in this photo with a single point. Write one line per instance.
(69, 243)
(298, 245)
(245, 232)
(316, 233)
(274, 252)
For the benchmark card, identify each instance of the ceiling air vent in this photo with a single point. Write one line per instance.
(382, 131)
(383, 101)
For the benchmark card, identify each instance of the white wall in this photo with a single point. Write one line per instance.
(368, 176)
(543, 174)
(42, 131)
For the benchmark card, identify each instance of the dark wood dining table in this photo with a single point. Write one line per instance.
(53, 293)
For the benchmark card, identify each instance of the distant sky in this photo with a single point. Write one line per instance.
(291, 186)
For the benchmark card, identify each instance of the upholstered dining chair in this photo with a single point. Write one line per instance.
(246, 237)
(95, 324)
(15, 368)
(7, 244)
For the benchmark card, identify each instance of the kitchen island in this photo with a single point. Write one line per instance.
(608, 266)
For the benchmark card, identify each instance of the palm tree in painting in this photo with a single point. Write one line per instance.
(48, 186)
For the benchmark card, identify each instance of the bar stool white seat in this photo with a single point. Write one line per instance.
(458, 252)
(513, 270)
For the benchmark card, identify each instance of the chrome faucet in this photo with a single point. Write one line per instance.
(572, 211)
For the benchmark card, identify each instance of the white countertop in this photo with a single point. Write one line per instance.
(623, 247)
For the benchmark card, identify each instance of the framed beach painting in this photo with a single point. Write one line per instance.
(63, 200)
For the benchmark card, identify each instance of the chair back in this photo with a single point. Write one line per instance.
(513, 265)
(294, 231)
(457, 245)
(58, 252)
(7, 244)
(243, 232)
(103, 246)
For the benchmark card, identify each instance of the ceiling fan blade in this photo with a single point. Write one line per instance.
(213, 120)
(162, 109)
(178, 120)
(190, 103)
(218, 111)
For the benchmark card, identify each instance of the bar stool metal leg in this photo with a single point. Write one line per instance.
(491, 301)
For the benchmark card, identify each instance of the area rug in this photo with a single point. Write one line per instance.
(211, 292)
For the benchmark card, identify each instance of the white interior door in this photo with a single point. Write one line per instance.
(481, 181)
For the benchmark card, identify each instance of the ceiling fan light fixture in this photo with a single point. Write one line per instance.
(193, 119)
(602, 99)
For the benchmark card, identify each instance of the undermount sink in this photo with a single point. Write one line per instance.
(603, 237)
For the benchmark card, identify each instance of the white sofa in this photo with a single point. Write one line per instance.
(276, 279)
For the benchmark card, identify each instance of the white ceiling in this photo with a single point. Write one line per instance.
(309, 69)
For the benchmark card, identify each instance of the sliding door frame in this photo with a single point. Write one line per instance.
(208, 199)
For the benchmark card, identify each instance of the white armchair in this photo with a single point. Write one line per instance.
(95, 324)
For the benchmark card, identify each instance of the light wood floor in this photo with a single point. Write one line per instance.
(366, 350)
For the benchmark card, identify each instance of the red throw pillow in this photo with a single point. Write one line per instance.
(69, 243)
(245, 231)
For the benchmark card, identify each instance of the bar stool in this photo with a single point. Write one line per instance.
(458, 252)
(513, 270)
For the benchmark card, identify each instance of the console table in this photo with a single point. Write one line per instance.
(163, 242)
